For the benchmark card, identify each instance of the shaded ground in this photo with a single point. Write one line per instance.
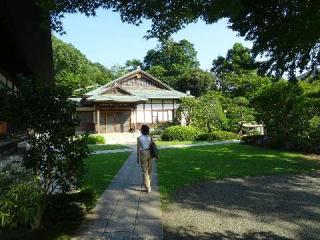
(279, 207)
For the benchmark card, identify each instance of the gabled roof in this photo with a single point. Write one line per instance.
(131, 93)
(126, 76)
(116, 88)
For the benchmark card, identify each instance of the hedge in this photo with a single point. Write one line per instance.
(217, 135)
(180, 133)
(95, 139)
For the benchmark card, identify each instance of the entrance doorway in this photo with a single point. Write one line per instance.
(115, 121)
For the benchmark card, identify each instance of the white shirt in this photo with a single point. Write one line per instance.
(144, 141)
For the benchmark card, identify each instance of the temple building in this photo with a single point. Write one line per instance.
(126, 103)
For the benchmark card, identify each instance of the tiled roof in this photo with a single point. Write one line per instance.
(116, 98)
(135, 94)
(114, 82)
(157, 94)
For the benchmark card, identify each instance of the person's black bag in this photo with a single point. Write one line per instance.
(154, 150)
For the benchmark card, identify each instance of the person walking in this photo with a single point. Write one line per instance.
(144, 157)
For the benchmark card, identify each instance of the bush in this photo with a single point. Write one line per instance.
(217, 135)
(180, 133)
(86, 197)
(156, 133)
(95, 139)
(253, 139)
(20, 199)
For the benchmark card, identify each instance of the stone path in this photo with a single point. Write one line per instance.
(125, 210)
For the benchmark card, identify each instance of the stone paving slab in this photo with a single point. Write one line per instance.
(125, 210)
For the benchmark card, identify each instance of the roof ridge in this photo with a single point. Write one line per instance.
(110, 84)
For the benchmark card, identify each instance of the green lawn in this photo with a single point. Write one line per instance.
(169, 143)
(101, 168)
(101, 147)
(181, 167)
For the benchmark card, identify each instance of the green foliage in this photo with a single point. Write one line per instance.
(95, 139)
(187, 109)
(197, 81)
(238, 113)
(236, 74)
(133, 64)
(156, 133)
(209, 114)
(286, 48)
(171, 60)
(217, 135)
(238, 60)
(205, 112)
(87, 197)
(72, 69)
(281, 108)
(314, 132)
(20, 199)
(247, 84)
(56, 154)
(180, 133)
(287, 109)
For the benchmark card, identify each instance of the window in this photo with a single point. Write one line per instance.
(6, 83)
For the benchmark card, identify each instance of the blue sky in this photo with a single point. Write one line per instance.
(105, 39)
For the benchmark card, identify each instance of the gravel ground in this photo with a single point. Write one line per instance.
(256, 208)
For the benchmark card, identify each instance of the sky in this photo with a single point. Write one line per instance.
(107, 40)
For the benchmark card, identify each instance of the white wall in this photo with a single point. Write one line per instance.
(156, 111)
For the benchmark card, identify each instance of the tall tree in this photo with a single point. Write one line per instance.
(197, 81)
(209, 114)
(72, 69)
(236, 74)
(174, 57)
(238, 60)
(133, 64)
(286, 32)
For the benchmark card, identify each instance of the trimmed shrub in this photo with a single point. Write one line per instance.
(156, 133)
(253, 139)
(95, 139)
(180, 133)
(217, 135)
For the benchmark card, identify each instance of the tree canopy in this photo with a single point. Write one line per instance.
(238, 60)
(172, 59)
(285, 32)
(72, 69)
(236, 74)
(197, 81)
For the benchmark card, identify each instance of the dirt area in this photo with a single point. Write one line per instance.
(256, 208)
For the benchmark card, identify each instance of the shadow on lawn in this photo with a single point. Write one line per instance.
(288, 202)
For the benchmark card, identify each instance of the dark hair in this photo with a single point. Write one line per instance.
(144, 130)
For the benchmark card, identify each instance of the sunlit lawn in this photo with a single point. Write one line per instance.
(181, 167)
(101, 168)
(101, 147)
(169, 143)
